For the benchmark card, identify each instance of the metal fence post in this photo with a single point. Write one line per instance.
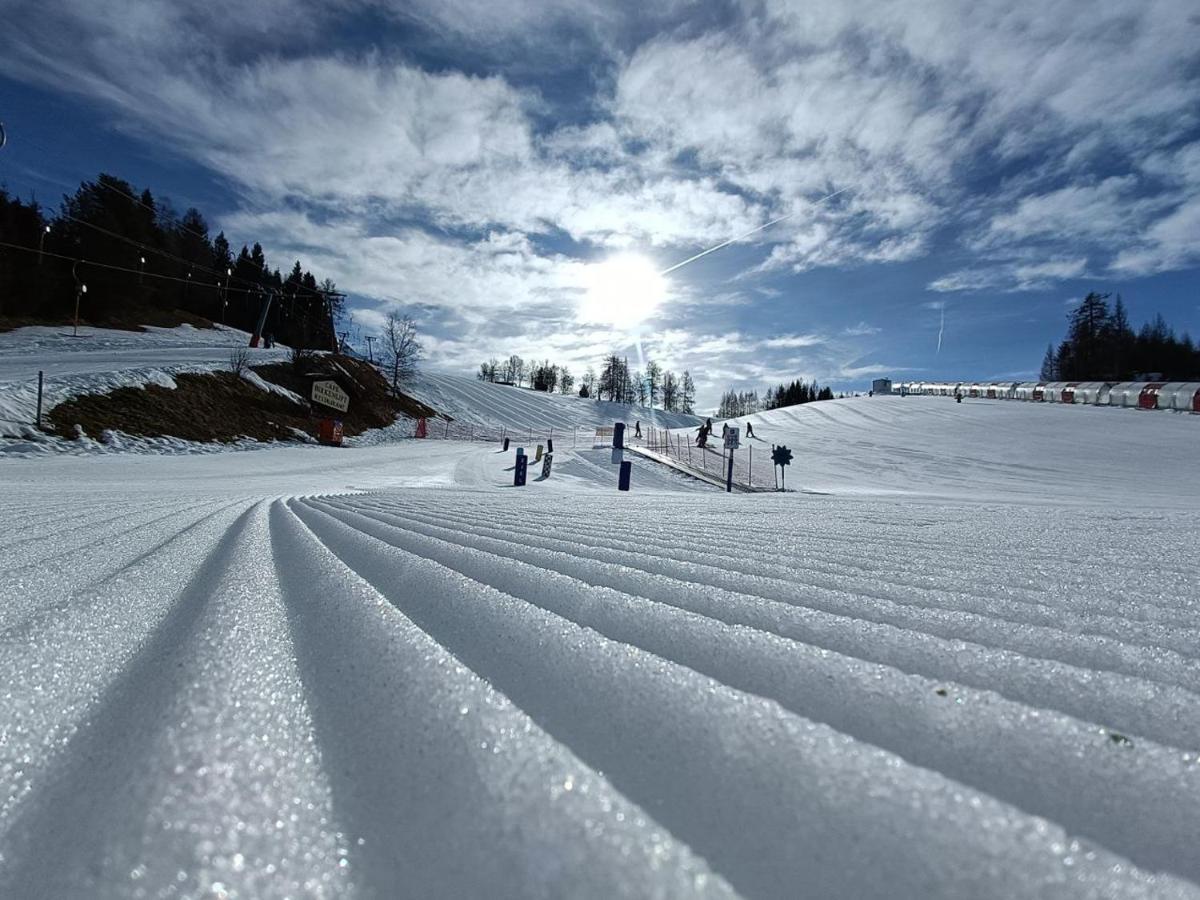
(38, 421)
(750, 477)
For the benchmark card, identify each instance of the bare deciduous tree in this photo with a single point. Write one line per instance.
(401, 349)
(239, 360)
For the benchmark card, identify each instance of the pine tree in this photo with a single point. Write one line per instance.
(1049, 365)
(687, 393)
(670, 391)
(654, 374)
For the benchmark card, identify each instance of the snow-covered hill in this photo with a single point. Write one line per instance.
(481, 403)
(99, 360)
(992, 450)
(969, 668)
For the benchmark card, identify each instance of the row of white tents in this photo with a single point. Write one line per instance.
(1178, 395)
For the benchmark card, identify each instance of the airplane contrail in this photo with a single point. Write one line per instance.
(941, 328)
(734, 240)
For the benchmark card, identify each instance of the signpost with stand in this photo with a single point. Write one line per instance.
(781, 456)
(732, 443)
(330, 394)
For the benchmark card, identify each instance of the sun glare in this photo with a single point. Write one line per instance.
(621, 291)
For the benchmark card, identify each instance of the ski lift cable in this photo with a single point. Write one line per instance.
(115, 268)
(175, 219)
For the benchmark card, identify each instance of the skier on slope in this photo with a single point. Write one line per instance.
(637, 428)
(703, 432)
(749, 430)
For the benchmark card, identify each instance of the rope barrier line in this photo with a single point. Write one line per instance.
(100, 265)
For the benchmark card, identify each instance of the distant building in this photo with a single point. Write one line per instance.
(881, 386)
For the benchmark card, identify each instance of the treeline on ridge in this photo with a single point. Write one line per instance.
(1101, 345)
(144, 264)
(744, 403)
(653, 386)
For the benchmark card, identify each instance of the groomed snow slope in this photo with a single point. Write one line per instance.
(385, 671)
(998, 450)
(480, 403)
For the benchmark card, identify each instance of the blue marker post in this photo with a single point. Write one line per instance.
(626, 470)
(505, 448)
(619, 436)
(520, 469)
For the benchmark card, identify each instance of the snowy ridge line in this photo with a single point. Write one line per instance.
(68, 522)
(30, 551)
(732, 550)
(547, 825)
(1170, 624)
(587, 690)
(183, 680)
(101, 563)
(1088, 651)
(717, 543)
(1170, 635)
(19, 518)
(858, 533)
(69, 663)
(909, 719)
(1111, 699)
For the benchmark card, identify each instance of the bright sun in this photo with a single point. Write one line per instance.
(623, 290)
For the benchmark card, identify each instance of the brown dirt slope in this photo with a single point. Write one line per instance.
(221, 406)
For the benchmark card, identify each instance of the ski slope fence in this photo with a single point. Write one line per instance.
(712, 460)
(751, 469)
(581, 437)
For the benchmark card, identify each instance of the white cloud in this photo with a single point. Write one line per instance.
(793, 341)
(1170, 243)
(1011, 275)
(862, 329)
(440, 188)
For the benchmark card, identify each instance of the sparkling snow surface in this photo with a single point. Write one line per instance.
(383, 671)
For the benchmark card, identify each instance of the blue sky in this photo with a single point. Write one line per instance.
(469, 161)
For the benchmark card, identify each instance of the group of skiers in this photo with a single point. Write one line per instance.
(706, 429)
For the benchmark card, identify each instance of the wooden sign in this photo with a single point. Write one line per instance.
(330, 393)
